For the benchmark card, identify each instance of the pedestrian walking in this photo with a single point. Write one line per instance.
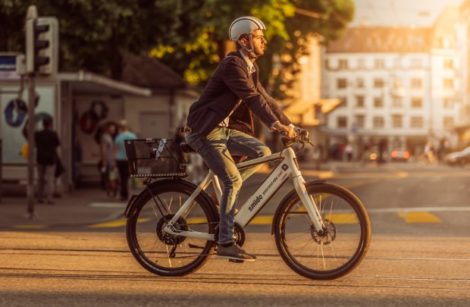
(47, 142)
(121, 158)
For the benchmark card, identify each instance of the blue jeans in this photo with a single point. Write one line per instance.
(216, 149)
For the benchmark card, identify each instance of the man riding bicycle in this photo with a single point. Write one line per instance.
(234, 81)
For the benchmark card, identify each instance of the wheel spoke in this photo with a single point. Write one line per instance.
(168, 256)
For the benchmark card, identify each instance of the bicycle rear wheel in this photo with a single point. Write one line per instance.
(160, 252)
(330, 253)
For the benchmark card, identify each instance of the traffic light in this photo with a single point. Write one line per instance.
(42, 45)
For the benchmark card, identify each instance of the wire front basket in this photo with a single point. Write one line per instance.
(155, 158)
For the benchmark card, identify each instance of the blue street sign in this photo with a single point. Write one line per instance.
(7, 62)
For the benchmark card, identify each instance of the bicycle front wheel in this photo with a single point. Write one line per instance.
(333, 251)
(162, 253)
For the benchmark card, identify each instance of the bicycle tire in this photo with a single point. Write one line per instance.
(303, 260)
(152, 258)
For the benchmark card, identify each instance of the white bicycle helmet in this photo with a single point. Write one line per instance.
(244, 25)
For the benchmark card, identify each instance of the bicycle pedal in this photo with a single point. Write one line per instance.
(236, 261)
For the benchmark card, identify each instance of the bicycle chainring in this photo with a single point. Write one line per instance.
(238, 234)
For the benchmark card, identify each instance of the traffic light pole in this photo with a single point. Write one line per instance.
(31, 146)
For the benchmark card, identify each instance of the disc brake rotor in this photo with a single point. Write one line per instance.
(326, 235)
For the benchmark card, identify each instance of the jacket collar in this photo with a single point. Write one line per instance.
(251, 67)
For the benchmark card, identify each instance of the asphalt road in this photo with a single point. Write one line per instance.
(419, 256)
(57, 269)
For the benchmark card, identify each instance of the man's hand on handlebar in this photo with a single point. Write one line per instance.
(288, 131)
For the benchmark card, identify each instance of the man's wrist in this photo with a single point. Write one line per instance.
(275, 125)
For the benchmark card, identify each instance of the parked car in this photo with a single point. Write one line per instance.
(458, 157)
(399, 154)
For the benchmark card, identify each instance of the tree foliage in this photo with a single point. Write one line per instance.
(187, 35)
(93, 33)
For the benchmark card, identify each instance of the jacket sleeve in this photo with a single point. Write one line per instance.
(274, 106)
(236, 79)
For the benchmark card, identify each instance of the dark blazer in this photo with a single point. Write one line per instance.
(229, 84)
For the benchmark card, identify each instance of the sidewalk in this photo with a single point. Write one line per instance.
(80, 207)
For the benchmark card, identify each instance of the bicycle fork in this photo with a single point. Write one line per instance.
(306, 199)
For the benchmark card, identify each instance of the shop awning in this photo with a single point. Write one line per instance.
(93, 84)
(304, 113)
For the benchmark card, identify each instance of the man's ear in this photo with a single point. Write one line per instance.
(243, 41)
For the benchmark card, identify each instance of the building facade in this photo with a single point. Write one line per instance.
(397, 84)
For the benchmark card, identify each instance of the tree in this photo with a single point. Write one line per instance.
(94, 33)
(201, 35)
(189, 36)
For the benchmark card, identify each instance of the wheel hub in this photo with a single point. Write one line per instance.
(326, 235)
(167, 238)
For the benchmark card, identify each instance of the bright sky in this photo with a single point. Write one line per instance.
(420, 13)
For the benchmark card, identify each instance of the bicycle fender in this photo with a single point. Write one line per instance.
(291, 194)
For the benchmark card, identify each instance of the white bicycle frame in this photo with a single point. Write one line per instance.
(286, 168)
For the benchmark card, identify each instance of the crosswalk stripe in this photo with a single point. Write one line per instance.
(109, 224)
(262, 220)
(419, 217)
(116, 223)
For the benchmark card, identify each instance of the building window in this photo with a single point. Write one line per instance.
(448, 83)
(416, 83)
(416, 102)
(360, 83)
(327, 64)
(397, 121)
(344, 101)
(342, 122)
(397, 102)
(448, 63)
(448, 122)
(360, 101)
(361, 63)
(343, 64)
(416, 63)
(379, 83)
(397, 62)
(379, 63)
(378, 122)
(360, 121)
(416, 122)
(341, 83)
(378, 102)
(448, 103)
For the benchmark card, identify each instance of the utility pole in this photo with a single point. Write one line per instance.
(30, 37)
(41, 57)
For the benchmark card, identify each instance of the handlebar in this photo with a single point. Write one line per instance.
(302, 137)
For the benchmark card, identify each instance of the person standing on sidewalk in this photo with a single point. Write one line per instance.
(47, 142)
(121, 158)
(107, 162)
(235, 81)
